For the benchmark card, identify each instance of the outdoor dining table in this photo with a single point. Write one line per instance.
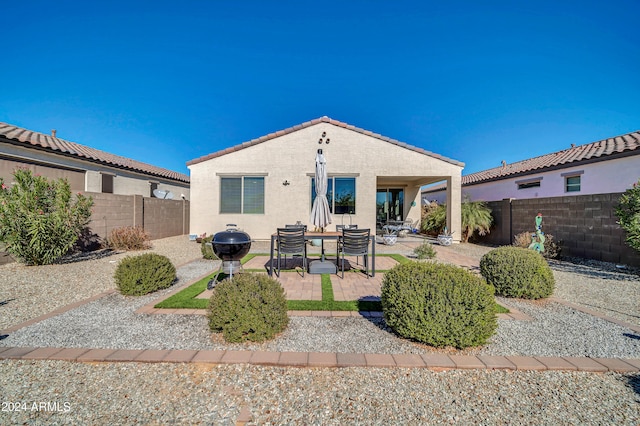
(331, 235)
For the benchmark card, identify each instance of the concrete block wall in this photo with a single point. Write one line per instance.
(584, 225)
(160, 218)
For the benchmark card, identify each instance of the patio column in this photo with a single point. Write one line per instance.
(454, 208)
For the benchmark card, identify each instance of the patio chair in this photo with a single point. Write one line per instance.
(291, 242)
(355, 242)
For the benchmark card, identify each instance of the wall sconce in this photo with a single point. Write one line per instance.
(285, 183)
(413, 203)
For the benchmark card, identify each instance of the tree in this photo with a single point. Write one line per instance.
(628, 212)
(39, 220)
(476, 216)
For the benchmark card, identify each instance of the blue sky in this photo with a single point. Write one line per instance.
(167, 82)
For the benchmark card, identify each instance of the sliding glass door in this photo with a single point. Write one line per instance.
(389, 205)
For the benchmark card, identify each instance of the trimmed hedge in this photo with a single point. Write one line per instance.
(207, 249)
(248, 307)
(518, 272)
(139, 275)
(437, 304)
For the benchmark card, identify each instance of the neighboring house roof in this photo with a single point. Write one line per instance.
(324, 119)
(618, 146)
(25, 137)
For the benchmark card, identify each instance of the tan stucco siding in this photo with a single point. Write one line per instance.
(291, 157)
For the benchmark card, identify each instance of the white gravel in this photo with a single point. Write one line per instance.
(132, 393)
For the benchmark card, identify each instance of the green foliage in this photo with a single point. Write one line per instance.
(128, 238)
(628, 212)
(476, 217)
(207, 249)
(39, 219)
(434, 219)
(440, 305)
(425, 251)
(551, 249)
(248, 307)
(518, 272)
(143, 274)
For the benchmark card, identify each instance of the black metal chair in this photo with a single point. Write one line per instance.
(291, 242)
(355, 242)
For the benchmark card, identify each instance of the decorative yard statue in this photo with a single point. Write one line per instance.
(537, 239)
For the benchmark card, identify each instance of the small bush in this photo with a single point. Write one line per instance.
(248, 307)
(139, 275)
(518, 272)
(551, 249)
(425, 251)
(128, 238)
(440, 305)
(206, 249)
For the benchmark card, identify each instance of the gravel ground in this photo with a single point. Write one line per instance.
(129, 393)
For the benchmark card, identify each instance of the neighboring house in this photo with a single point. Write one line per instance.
(87, 169)
(607, 166)
(267, 183)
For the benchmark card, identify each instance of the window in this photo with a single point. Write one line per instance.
(243, 195)
(152, 187)
(572, 184)
(107, 183)
(529, 183)
(341, 194)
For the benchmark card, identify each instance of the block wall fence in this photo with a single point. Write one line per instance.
(583, 225)
(160, 218)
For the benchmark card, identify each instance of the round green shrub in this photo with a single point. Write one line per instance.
(139, 275)
(248, 307)
(518, 272)
(440, 305)
(207, 249)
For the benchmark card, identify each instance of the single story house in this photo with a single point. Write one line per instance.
(86, 169)
(608, 166)
(268, 182)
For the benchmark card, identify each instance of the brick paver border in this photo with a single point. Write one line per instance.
(437, 362)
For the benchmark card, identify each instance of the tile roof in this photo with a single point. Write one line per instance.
(628, 144)
(324, 119)
(25, 137)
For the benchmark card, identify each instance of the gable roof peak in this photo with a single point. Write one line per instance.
(323, 119)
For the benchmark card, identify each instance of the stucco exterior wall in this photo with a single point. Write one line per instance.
(615, 175)
(291, 157)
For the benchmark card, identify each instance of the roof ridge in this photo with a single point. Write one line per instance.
(55, 143)
(604, 147)
(313, 122)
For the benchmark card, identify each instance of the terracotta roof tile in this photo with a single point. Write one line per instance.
(23, 136)
(312, 123)
(612, 146)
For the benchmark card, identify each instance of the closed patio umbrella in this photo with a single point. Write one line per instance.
(320, 214)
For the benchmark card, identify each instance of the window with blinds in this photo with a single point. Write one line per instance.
(243, 195)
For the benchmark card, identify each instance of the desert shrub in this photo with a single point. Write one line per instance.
(628, 213)
(517, 272)
(206, 249)
(128, 238)
(551, 249)
(434, 219)
(248, 307)
(40, 221)
(440, 305)
(143, 274)
(425, 251)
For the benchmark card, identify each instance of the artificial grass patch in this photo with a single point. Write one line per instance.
(187, 298)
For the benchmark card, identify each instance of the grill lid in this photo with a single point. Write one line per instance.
(231, 236)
